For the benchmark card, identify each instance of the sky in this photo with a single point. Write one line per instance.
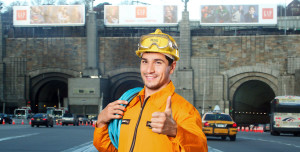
(179, 2)
(192, 4)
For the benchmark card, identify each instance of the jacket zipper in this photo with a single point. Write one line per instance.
(137, 124)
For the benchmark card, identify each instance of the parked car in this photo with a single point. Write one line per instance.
(69, 118)
(94, 120)
(82, 119)
(41, 119)
(219, 125)
(7, 118)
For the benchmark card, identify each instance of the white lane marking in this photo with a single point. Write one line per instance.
(14, 137)
(210, 149)
(86, 147)
(278, 142)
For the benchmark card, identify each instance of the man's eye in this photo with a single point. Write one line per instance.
(143, 61)
(158, 62)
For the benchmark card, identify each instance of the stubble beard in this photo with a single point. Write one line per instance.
(155, 85)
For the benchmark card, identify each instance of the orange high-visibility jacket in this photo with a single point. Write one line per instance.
(136, 135)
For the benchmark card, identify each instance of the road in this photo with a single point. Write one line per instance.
(23, 138)
(255, 142)
(18, 138)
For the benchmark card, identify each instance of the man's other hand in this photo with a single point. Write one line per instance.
(112, 111)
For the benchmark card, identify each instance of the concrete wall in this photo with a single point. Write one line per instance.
(85, 94)
(215, 57)
(214, 60)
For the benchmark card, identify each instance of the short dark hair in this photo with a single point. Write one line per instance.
(169, 60)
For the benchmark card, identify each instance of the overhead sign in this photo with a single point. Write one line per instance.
(140, 15)
(236, 15)
(49, 15)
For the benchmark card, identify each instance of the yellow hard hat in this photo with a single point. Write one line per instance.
(158, 42)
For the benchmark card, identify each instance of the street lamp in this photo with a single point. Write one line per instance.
(285, 28)
(203, 97)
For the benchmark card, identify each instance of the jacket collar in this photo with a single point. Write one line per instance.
(158, 98)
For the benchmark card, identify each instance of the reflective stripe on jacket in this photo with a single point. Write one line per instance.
(137, 136)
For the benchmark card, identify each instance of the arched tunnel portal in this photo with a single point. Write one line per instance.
(251, 103)
(48, 90)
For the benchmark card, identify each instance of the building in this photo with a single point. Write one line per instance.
(84, 68)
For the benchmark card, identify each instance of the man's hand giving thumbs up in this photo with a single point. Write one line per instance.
(163, 122)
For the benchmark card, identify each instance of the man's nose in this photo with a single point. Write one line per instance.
(150, 68)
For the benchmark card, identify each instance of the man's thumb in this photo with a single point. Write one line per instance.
(168, 109)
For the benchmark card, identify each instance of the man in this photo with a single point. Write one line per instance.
(251, 16)
(157, 119)
(170, 15)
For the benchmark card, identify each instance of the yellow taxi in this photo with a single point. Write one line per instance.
(219, 125)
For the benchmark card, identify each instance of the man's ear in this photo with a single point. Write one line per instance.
(172, 67)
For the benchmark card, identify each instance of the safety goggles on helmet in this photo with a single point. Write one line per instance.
(158, 42)
(161, 41)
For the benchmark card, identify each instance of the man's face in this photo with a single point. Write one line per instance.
(155, 70)
(252, 10)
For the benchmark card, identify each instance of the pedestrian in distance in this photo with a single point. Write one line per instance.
(157, 119)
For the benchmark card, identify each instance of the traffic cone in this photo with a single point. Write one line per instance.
(243, 128)
(29, 122)
(251, 129)
(82, 123)
(239, 128)
(56, 123)
(247, 129)
(261, 130)
(86, 123)
(255, 130)
(22, 122)
(14, 122)
(3, 122)
(60, 123)
(93, 124)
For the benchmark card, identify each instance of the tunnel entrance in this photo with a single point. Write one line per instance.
(48, 90)
(251, 103)
(51, 94)
(123, 87)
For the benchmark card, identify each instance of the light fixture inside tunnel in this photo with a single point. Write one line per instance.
(95, 76)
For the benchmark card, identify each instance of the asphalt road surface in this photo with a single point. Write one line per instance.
(24, 138)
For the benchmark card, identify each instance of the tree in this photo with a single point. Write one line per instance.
(87, 3)
(62, 2)
(9, 8)
(49, 2)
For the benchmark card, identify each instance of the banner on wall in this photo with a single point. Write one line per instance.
(49, 15)
(236, 15)
(139, 15)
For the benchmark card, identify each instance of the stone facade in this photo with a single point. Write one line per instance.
(216, 62)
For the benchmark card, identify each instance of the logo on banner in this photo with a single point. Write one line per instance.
(21, 15)
(267, 13)
(141, 12)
